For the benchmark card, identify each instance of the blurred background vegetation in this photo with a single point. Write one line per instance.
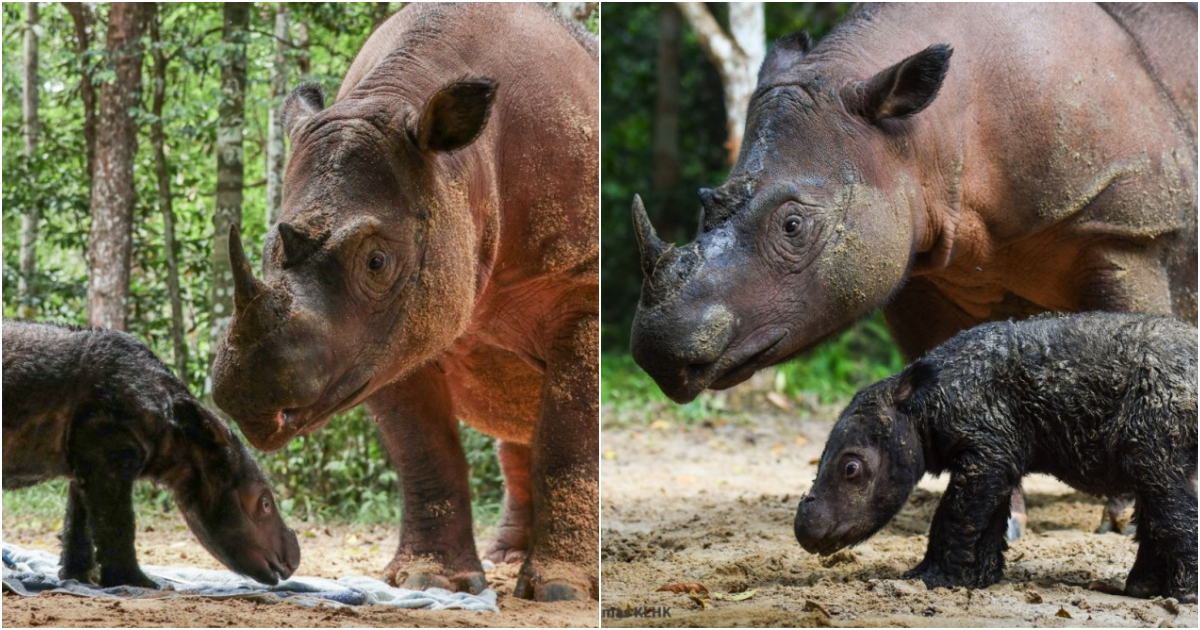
(641, 41)
(340, 472)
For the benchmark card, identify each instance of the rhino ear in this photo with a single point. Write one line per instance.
(903, 89)
(304, 101)
(455, 115)
(785, 52)
(914, 384)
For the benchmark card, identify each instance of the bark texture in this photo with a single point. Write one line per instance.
(275, 134)
(29, 214)
(113, 194)
(230, 165)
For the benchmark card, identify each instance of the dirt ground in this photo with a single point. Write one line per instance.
(327, 551)
(713, 503)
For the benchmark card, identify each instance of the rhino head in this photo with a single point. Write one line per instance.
(813, 228)
(370, 271)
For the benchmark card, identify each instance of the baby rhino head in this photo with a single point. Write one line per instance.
(871, 463)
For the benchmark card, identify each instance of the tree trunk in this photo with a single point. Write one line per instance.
(666, 121)
(279, 84)
(158, 137)
(29, 214)
(303, 46)
(85, 21)
(113, 192)
(737, 56)
(230, 167)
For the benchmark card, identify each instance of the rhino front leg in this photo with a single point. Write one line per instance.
(512, 538)
(562, 562)
(437, 546)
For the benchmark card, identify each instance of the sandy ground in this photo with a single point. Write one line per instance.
(713, 503)
(328, 551)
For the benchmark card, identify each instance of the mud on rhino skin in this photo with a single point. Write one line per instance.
(436, 258)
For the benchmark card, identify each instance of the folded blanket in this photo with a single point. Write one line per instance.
(30, 572)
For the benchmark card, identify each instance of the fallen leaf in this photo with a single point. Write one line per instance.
(778, 400)
(683, 587)
(734, 597)
(801, 440)
(660, 425)
(1062, 612)
(610, 455)
(701, 598)
(811, 606)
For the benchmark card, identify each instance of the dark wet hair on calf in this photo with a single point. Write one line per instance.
(99, 408)
(1105, 402)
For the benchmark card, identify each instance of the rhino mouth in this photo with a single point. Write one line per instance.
(745, 368)
(732, 368)
(305, 420)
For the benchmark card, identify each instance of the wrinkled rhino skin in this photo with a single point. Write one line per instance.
(436, 258)
(97, 407)
(1105, 402)
(952, 164)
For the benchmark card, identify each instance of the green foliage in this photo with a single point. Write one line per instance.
(835, 370)
(341, 471)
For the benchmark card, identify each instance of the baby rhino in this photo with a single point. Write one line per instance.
(1105, 402)
(97, 407)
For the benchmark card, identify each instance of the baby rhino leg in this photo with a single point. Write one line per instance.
(1166, 559)
(967, 537)
(105, 459)
(78, 556)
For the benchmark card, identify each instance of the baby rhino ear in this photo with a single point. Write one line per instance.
(914, 383)
(455, 115)
(200, 424)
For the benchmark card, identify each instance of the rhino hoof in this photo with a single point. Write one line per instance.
(473, 583)
(422, 581)
(529, 586)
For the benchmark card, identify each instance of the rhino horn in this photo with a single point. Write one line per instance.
(649, 245)
(246, 288)
(297, 245)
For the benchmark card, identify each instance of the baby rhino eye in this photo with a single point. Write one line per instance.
(853, 469)
(266, 504)
(376, 261)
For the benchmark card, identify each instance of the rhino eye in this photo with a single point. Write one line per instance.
(791, 225)
(853, 469)
(376, 261)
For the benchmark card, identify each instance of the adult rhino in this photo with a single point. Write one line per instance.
(952, 164)
(436, 258)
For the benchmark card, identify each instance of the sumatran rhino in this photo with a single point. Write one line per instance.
(1106, 402)
(952, 164)
(97, 407)
(437, 258)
